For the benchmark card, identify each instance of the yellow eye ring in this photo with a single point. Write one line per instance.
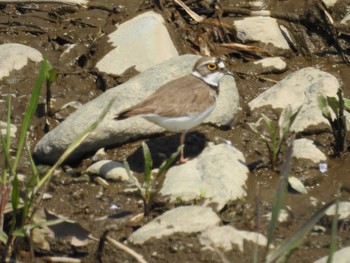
(212, 66)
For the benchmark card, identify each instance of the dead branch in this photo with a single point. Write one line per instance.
(245, 48)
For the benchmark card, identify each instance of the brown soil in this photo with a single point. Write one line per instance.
(51, 27)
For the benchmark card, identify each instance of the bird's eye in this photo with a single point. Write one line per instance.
(212, 66)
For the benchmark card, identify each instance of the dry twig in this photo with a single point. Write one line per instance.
(61, 259)
(117, 244)
(131, 252)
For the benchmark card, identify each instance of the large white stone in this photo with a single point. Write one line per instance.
(301, 88)
(340, 256)
(225, 237)
(262, 29)
(15, 56)
(141, 42)
(183, 219)
(111, 132)
(306, 149)
(218, 175)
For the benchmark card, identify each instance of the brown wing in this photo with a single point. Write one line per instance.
(179, 97)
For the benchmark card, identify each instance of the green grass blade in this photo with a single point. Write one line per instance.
(286, 121)
(34, 99)
(269, 124)
(14, 200)
(334, 236)
(6, 143)
(346, 104)
(254, 128)
(279, 196)
(75, 144)
(132, 179)
(168, 162)
(32, 163)
(323, 106)
(3, 237)
(294, 240)
(148, 163)
(334, 104)
(22, 232)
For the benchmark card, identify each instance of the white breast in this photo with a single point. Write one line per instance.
(179, 124)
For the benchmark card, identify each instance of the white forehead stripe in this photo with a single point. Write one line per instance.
(221, 64)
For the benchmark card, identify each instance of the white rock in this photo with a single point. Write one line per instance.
(100, 155)
(306, 149)
(15, 56)
(330, 3)
(13, 129)
(47, 196)
(346, 19)
(218, 174)
(265, 66)
(183, 219)
(225, 237)
(300, 88)
(108, 169)
(297, 185)
(343, 210)
(141, 42)
(110, 132)
(277, 63)
(260, 28)
(282, 217)
(340, 256)
(314, 201)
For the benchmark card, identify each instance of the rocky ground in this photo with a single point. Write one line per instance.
(283, 54)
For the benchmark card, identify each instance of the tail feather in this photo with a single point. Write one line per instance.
(122, 115)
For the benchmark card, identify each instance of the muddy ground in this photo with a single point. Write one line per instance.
(50, 28)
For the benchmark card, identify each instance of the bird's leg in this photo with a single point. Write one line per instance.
(182, 143)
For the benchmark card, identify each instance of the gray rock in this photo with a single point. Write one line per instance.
(265, 66)
(15, 56)
(300, 88)
(340, 256)
(225, 237)
(218, 175)
(141, 42)
(343, 210)
(306, 149)
(108, 169)
(3, 128)
(262, 29)
(111, 132)
(272, 65)
(183, 219)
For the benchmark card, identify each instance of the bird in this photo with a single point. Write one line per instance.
(183, 103)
